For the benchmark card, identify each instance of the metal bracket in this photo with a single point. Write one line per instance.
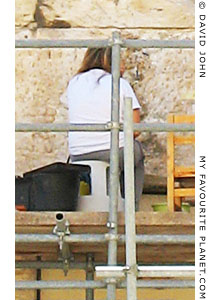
(61, 230)
(116, 41)
(132, 269)
(111, 237)
(90, 263)
(110, 225)
(112, 280)
(117, 272)
(113, 125)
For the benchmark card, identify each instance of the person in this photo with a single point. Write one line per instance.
(89, 101)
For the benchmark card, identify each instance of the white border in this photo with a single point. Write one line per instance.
(202, 148)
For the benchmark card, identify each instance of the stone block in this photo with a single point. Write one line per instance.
(112, 13)
(24, 12)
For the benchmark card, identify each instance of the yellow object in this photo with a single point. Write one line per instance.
(84, 188)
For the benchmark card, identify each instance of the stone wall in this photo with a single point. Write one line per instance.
(163, 79)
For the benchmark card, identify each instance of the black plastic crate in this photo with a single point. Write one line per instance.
(22, 191)
(51, 188)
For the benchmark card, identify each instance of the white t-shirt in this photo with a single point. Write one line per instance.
(89, 101)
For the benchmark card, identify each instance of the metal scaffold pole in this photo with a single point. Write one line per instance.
(175, 44)
(65, 127)
(61, 43)
(130, 227)
(114, 163)
(136, 44)
(101, 284)
(89, 275)
(154, 239)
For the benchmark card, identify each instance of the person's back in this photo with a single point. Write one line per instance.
(89, 101)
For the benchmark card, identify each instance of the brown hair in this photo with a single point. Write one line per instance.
(96, 58)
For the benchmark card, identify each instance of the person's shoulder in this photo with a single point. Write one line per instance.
(125, 84)
(99, 74)
(73, 79)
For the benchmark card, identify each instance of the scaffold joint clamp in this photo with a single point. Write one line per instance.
(61, 230)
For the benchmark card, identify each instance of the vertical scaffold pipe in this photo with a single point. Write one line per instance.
(89, 275)
(114, 161)
(130, 227)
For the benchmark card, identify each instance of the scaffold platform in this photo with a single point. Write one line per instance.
(161, 237)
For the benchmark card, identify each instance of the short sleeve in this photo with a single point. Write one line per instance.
(127, 91)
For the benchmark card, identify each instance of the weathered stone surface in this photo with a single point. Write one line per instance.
(41, 77)
(105, 14)
(120, 13)
(165, 84)
(24, 12)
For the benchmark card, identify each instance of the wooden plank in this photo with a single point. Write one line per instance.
(145, 253)
(184, 119)
(177, 203)
(185, 192)
(182, 171)
(170, 167)
(141, 229)
(96, 220)
(184, 140)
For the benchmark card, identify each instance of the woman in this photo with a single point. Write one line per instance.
(89, 101)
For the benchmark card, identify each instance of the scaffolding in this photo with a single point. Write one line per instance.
(112, 276)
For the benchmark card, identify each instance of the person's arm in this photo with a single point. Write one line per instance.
(136, 119)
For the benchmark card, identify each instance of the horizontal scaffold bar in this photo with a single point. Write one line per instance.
(131, 43)
(146, 271)
(29, 43)
(164, 127)
(59, 265)
(158, 44)
(65, 127)
(47, 127)
(102, 238)
(50, 265)
(162, 284)
(53, 284)
(58, 284)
